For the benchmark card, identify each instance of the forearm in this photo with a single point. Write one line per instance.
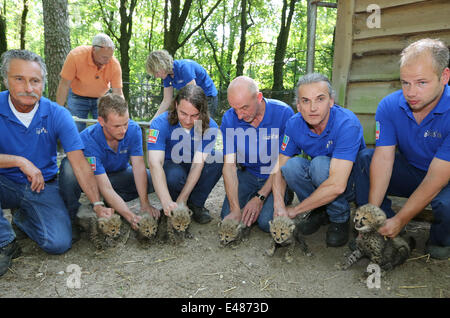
(231, 183)
(162, 108)
(380, 173)
(278, 190)
(62, 92)
(11, 161)
(327, 192)
(117, 203)
(160, 184)
(191, 181)
(140, 179)
(436, 179)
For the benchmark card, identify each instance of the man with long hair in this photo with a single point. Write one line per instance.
(180, 143)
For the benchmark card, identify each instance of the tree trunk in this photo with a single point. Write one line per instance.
(280, 51)
(57, 41)
(23, 24)
(172, 33)
(3, 41)
(244, 27)
(126, 27)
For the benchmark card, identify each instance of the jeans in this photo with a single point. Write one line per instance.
(176, 176)
(80, 106)
(121, 181)
(304, 176)
(213, 103)
(404, 181)
(42, 216)
(248, 185)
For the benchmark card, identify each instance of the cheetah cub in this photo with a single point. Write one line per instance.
(176, 224)
(101, 231)
(148, 227)
(232, 232)
(385, 252)
(285, 233)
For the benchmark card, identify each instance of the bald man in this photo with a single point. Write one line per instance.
(252, 130)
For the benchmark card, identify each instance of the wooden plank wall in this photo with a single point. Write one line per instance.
(366, 59)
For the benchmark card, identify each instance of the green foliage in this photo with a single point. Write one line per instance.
(87, 17)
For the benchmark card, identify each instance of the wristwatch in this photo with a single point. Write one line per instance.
(260, 196)
(97, 203)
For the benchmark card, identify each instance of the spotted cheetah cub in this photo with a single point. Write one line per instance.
(285, 233)
(232, 232)
(385, 252)
(176, 224)
(148, 227)
(101, 231)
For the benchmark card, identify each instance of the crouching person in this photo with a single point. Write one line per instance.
(30, 126)
(332, 136)
(183, 163)
(110, 145)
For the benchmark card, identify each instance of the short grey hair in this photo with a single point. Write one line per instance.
(314, 78)
(102, 40)
(437, 49)
(21, 55)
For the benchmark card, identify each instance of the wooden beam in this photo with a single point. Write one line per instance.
(361, 5)
(343, 49)
(416, 18)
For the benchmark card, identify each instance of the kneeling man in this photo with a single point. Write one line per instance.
(331, 136)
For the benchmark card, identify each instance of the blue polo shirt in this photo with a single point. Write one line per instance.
(184, 71)
(99, 154)
(396, 125)
(256, 148)
(38, 142)
(178, 143)
(341, 139)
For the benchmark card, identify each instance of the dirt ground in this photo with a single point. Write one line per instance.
(200, 268)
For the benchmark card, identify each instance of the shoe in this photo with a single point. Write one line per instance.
(437, 252)
(290, 195)
(313, 221)
(337, 234)
(200, 214)
(20, 235)
(75, 233)
(7, 253)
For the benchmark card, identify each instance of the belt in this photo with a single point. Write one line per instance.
(52, 179)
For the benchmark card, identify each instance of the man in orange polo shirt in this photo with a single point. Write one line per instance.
(87, 74)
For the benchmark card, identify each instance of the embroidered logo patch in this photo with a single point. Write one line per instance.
(377, 130)
(92, 163)
(285, 142)
(152, 136)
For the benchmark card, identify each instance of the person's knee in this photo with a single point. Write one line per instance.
(264, 225)
(364, 158)
(58, 245)
(66, 174)
(175, 177)
(292, 168)
(319, 169)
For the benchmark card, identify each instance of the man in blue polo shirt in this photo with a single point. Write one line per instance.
(416, 121)
(252, 130)
(109, 145)
(177, 74)
(332, 136)
(183, 163)
(30, 126)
